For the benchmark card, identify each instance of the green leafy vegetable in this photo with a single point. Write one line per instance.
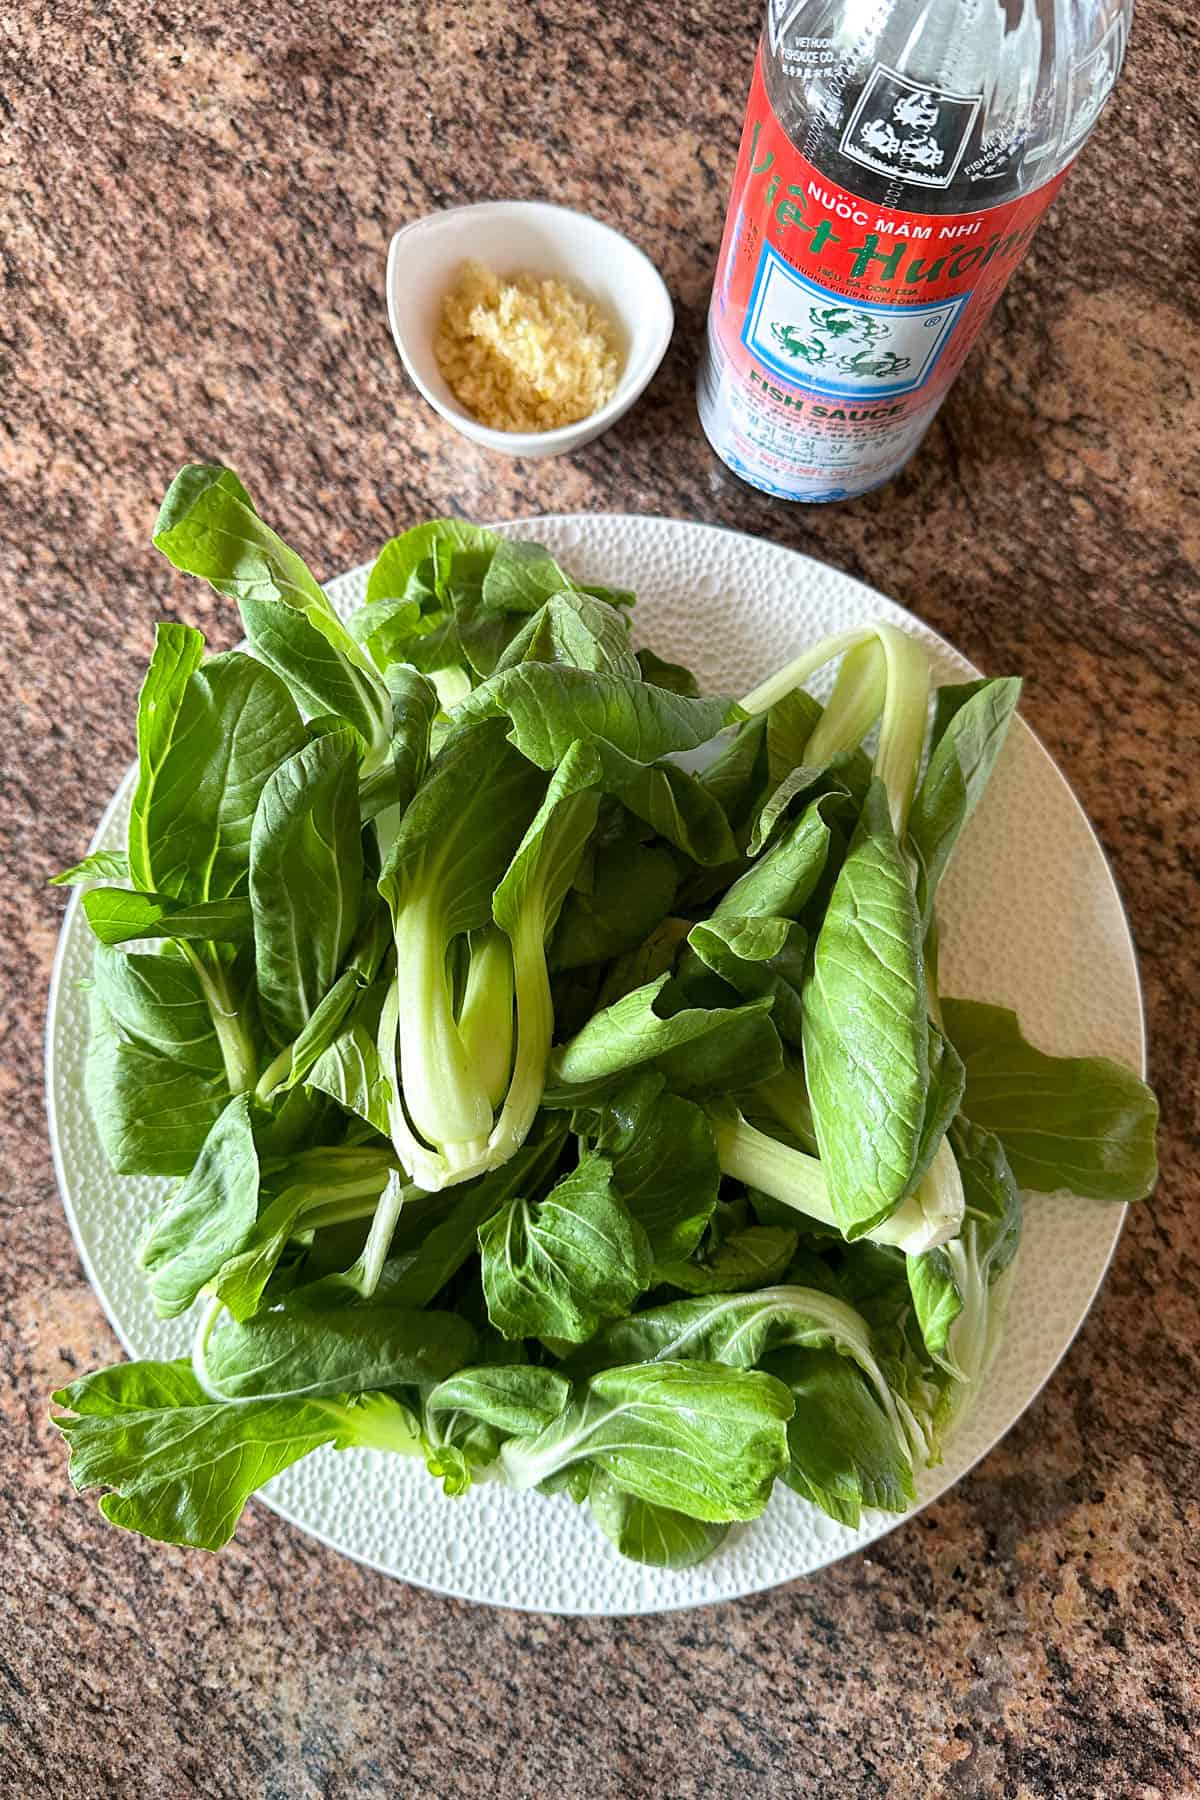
(737, 775)
(190, 823)
(748, 1259)
(118, 916)
(767, 1163)
(324, 679)
(181, 1468)
(691, 1436)
(421, 1275)
(304, 1355)
(425, 602)
(781, 881)
(1084, 1123)
(550, 707)
(647, 1533)
(306, 877)
(576, 631)
(664, 1164)
(525, 905)
(520, 1401)
(207, 526)
(152, 1114)
(738, 1329)
(158, 1003)
(969, 732)
(958, 1291)
(670, 675)
(843, 1451)
(101, 865)
(790, 721)
(520, 577)
(331, 1187)
(211, 1215)
(628, 893)
(455, 842)
(866, 1034)
(556, 1267)
(549, 1060)
(700, 1050)
(758, 958)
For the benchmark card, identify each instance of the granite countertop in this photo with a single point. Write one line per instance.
(196, 203)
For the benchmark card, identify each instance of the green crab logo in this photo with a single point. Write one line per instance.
(811, 343)
(841, 322)
(793, 342)
(874, 363)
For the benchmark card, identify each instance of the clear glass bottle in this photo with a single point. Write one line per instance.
(897, 158)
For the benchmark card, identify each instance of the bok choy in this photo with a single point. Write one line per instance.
(548, 1059)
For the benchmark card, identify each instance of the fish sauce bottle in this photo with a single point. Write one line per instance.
(897, 158)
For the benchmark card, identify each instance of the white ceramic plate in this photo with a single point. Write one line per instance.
(1031, 920)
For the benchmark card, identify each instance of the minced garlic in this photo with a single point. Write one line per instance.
(525, 354)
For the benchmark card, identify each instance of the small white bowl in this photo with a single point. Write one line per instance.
(513, 237)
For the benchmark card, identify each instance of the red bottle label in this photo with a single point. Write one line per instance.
(837, 324)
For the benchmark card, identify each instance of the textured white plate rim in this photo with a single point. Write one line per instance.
(875, 1525)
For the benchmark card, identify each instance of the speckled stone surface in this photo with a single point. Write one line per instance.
(195, 203)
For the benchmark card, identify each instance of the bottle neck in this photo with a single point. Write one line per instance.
(938, 107)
